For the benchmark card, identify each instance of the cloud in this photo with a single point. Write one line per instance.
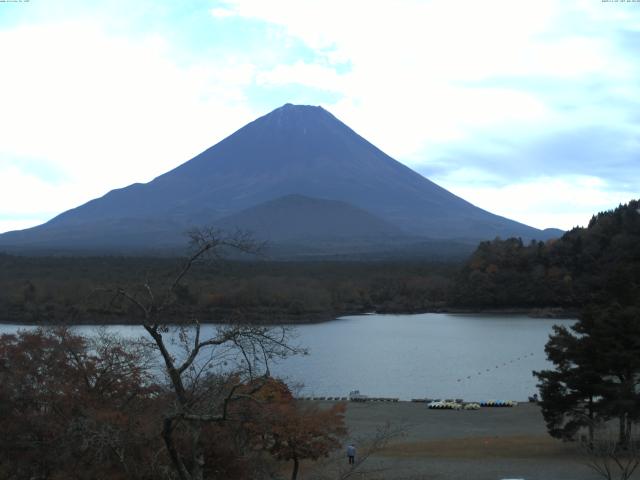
(219, 12)
(583, 151)
(105, 111)
(506, 103)
(311, 75)
(543, 202)
(26, 200)
(439, 64)
(476, 95)
(453, 74)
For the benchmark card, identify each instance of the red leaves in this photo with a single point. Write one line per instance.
(73, 407)
(291, 430)
(307, 432)
(66, 401)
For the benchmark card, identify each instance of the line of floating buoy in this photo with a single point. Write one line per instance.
(346, 399)
(498, 366)
(446, 404)
(382, 399)
(331, 399)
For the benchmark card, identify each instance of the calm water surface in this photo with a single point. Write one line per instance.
(471, 356)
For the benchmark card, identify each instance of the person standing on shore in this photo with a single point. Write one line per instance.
(351, 454)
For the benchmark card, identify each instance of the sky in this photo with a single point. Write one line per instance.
(529, 109)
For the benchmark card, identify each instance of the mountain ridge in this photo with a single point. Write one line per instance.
(302, 150)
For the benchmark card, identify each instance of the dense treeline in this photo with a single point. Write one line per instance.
(600, 261)
(595, 380)
(586, 265)
(596, 377)
(68, 289)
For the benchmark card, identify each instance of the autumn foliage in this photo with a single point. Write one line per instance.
(72, 407)
(293, 431)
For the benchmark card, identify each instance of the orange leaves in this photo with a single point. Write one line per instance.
(305, 432)
(274, 392)
(65, 400)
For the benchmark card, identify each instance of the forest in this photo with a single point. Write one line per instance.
(558, 276)
(591, 393)
(68, 289)
(586, 265)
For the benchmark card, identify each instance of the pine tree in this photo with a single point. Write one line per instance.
(597, 373)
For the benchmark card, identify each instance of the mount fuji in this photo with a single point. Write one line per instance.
(297, 175)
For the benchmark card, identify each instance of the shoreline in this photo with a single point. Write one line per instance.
(486, 444)
(542, 313)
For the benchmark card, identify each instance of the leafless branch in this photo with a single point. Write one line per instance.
(368, 447)
(606, 456)
(257, 345)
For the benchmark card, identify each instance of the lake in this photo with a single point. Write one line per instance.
(436, 355)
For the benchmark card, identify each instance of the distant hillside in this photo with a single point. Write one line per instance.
(294, 150)
(593, 264)
(296, 217)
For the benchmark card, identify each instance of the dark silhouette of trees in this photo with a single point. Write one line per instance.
(263, 291)
(570, 394)
(596, 379)
(598, 264)
(597, 373)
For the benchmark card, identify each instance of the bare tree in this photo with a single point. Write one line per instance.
(213, 370)
(368, 446)
(610, 458)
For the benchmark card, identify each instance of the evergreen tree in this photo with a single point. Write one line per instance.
(570, 394)
(615, 331)
(597, 373)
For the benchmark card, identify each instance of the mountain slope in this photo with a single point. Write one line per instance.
(293, 150)
(297, 218)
